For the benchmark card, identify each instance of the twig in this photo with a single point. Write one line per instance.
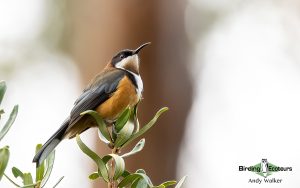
(11, 180)
(112, 183)
(58, 181)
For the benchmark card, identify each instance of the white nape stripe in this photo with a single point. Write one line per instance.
(139, 83)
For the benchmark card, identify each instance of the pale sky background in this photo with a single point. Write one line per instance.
(48, 80)
(247, 105)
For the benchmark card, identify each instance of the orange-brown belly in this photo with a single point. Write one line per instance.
(125, 96)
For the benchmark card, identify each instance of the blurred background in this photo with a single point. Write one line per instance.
(228, 70)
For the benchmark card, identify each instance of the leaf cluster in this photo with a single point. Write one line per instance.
(43, 172)
(111, 167)
(4, 151)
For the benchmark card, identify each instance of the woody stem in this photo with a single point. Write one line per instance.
(112, 183)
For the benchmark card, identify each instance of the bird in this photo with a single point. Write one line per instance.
(117, 87)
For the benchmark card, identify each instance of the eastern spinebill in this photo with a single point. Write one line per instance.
(114, 89)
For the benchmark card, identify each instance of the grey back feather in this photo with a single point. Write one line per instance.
(97, 93)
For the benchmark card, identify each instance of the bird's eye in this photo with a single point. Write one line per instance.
(122, 56)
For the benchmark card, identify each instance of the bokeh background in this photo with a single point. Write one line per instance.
(228, 70)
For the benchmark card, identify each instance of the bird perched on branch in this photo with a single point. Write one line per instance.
(117, 87)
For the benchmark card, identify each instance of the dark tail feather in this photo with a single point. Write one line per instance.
(49, 146)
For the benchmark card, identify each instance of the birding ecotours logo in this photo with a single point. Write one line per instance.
(265, 169)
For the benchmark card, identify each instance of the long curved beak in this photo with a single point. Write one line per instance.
(139, 48)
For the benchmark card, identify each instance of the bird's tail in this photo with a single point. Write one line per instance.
(49, 146)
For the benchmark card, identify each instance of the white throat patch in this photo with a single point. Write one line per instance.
(131, 59)
(137, 77)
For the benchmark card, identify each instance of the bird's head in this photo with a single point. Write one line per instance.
(128, 59)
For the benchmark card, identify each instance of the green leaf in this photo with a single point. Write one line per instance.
(101, 124)
(103, 138)
(165, 184)
(137, 148)
(94, 176)
(147, 126)
(32, 185)
(114, 134)
(135, 109)
(49, 166)
(130, 179)
(17, 173)
(136, 120)
(142, 171)
(139, 183)
(125, 174)
(2, 90)
(41, 169)
(1, 112)
(122, 120)
(101, 165)
(136, 125)
(159, 186)
(9, 122)
(124, 135)
(119, 164)
(27, 180)
(180, 183)
(4, 157)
